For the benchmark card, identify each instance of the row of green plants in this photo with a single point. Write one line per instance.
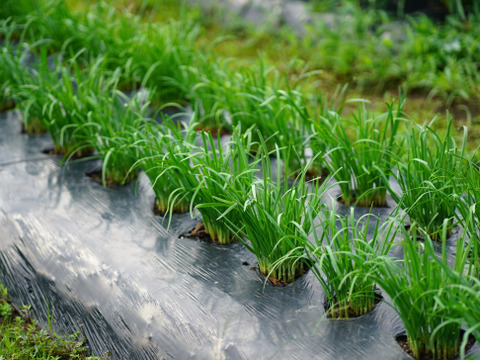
(373, 50)
(278, 210)
(365, 46)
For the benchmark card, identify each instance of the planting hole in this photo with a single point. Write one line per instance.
(401, 339)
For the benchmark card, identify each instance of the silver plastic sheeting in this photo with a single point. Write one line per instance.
(99, 260)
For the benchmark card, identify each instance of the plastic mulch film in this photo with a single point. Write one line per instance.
(99, 260)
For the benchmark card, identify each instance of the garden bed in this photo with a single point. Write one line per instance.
(100, 258)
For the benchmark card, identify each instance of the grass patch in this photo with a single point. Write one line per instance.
(21, 338)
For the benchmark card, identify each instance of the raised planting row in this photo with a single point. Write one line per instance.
(261, 184)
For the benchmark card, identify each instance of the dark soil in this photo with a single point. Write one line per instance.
(215, 132)
(83, 153)
(33, 130)
(433, 237)
(320, 177)
(199, 233)
(458, 111)
(156, 210)
(96, 175)
(276, 282)
(402, 341)
(354, 203)
(9, 105)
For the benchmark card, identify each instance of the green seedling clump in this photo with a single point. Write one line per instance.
(163, 54)
(114, 125)
(430, 177)
(469, 211)
(341, 255)
(73, 92)
(462, 307)
(266, 101)
(207, 84)
(360, 151)
(205, 174)
(17, 76)
(415, 286)
(277, 219)
(6, 102)
(153, 152)
(224, 172)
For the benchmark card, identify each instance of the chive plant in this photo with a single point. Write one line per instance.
(463, 306)
(341, 255)
(6, 102)
(268, 103)
(317, 141)
(154, 149)
(203, 174)
(222, 172)
(207, 85)
(103, 29)
(162, 53)
(15, 9)
(415, 285)
(51, 23)
(99, 30)
(430, 177)
(469, 211)
(6, 53)
(26, 85)
(73, 93)
(359, 159)
(277, 219)
(112, 127)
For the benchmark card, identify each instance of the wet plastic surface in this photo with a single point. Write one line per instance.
(99, 257)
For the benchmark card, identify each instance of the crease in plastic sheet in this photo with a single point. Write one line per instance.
(99, 260)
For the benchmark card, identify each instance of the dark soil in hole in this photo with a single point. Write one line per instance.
(214, 131)
(8, 105)
(354, 203)
(434, 238)
(351, 314)
(128, 86)
(408, 228)
(276, 282)
(402, 341)
(96, 175)
(156, 210)
(198, 232)
(321, 176)
(35, 128)
(77, 155)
